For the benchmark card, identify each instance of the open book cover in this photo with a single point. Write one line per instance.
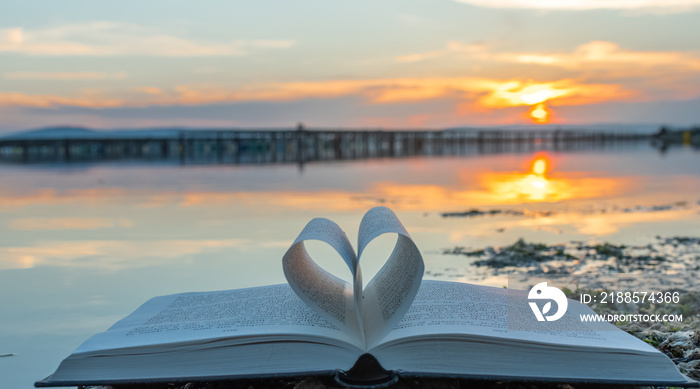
(318, 324)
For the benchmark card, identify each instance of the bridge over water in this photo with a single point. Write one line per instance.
(292, 145)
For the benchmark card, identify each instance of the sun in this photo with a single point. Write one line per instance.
(540, 113)
(540, 166)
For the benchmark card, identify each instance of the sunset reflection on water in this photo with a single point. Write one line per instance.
(83, 245)
(541, 184)
(462, 186)
(485, 187)
(114, 218)
(419, 184)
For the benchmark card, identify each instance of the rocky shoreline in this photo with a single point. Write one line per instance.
(666, 265)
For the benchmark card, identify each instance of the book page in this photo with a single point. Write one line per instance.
(242, 313)
(452, 309)
(390, 293)
(328, 295)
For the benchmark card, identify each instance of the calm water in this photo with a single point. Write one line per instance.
(81, 246)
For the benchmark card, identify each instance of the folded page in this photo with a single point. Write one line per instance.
(328, 295)
(390, 293)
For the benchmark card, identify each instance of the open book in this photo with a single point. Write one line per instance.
(319, 324)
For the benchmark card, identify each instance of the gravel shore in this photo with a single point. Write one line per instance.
(666, 265)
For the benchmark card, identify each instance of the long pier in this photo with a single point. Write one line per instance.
(292, 146)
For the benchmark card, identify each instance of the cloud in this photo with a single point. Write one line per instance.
(658, 6)
(610, 57)
(564, 92)
(119, 39)
(493, 93)
(48, 101)
(149, 90)
(485, 92)
(65, 75)
(654, 74)
(593, 72)
(465, 94)
(594, 56)
(452, 47)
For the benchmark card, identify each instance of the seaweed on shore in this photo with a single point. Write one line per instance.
(566, 257)
(518, 254)
(475, 212)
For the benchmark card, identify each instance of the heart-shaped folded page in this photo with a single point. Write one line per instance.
(369, 313)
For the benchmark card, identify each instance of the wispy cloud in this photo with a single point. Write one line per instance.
(452, 47)
(591, 73)
(655, 74)
(564, 92)
(48, 101)
(609, 57)
(65, 75)
(657, 6)
(485, 92)
(117, 39)
(149, 90)
(482, 92)
(600, 56)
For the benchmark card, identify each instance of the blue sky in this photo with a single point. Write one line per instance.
(387, 64)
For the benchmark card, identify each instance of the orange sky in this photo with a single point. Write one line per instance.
(467, 62)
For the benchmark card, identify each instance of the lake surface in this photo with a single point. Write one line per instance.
(83, 245)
